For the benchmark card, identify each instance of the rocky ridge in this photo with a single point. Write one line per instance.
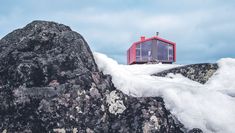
(196, 72)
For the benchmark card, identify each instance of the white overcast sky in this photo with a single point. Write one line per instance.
(204, 30)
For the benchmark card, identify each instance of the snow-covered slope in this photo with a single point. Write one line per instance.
(210, 107)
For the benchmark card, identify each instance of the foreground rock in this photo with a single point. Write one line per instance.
(49, 82)
(196, 72)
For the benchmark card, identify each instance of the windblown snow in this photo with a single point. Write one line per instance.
(210, 107)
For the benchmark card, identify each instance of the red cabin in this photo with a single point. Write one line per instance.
(154, 49)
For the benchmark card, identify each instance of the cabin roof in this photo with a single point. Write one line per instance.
(152, 38)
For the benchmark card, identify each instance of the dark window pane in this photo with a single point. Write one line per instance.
(170, 56)
(146, 50)
(138, 58)
(138, 46)
(137, 52)
(162, 51)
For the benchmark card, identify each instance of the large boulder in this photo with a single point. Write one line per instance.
(49, 82)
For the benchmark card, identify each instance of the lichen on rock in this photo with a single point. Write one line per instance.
(116, 105)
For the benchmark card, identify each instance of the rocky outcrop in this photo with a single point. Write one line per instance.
(196, 72)
(49, 82)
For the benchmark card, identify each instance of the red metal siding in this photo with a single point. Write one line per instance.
(133, 54)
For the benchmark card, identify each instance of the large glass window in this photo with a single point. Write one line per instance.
(154, 50)
(164, 51)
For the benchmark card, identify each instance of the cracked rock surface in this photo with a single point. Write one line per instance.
(49, 82)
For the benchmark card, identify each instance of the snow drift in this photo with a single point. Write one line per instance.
(210, 107)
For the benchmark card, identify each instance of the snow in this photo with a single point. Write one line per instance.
(210, 107)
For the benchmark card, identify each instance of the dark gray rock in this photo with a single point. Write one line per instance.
(49, 82)
(195, 130)
(196, 72)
